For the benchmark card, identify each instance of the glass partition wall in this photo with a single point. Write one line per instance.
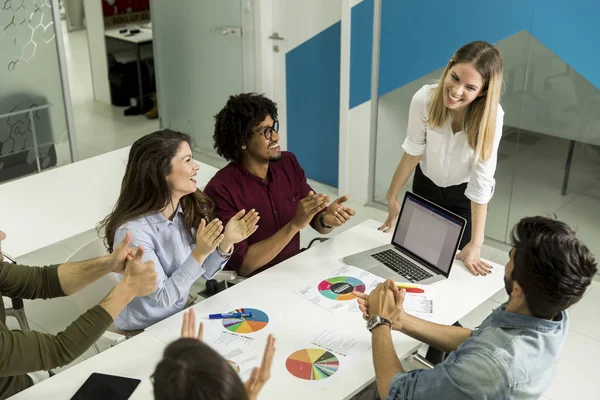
(549, 156)
(34, 124)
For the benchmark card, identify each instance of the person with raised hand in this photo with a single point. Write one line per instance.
(29, 352)
(191, 370)
(174, 222)
(512, 354)
(262, 176)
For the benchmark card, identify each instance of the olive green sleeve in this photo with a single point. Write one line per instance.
(23, 352)
(20, 281)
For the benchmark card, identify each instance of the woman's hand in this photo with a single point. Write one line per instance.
(393, 211)
(188, 327)
(471, 257)
(261, 375)
(208, 238)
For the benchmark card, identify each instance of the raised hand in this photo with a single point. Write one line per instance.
(308, 207)
(208, 237)
(261, 375)
(188, 327)
(239, 227)
(140, 278)
(121, 254)
(386, 300)
(337, 214)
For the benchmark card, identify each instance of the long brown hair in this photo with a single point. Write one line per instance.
(480, 120)
(144, 189)
(190, 369)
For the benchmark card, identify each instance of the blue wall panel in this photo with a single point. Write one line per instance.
(361, 52)
(571, 30)
(313, 104)
(419, 37)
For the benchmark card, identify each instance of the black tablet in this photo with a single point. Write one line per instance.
(101, 387)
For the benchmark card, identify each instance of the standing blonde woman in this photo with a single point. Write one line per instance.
(454, 129)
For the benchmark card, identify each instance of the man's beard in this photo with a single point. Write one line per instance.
(275, 159)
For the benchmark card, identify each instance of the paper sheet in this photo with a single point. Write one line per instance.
(334, 293)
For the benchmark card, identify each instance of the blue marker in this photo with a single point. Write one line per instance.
(230, 315)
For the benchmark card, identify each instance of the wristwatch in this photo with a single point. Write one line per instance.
(375, 321)
(322, 221)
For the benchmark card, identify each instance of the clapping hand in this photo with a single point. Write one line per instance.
(259, 375)
(239, 227)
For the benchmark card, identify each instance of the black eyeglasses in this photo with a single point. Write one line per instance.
(268, 131)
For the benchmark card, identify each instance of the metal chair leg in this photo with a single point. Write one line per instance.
(22, 319)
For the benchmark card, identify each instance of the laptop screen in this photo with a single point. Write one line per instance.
(428, 232)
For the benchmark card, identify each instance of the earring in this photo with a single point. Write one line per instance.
(244, 147)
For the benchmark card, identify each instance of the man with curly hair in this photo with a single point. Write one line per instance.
(260, 176)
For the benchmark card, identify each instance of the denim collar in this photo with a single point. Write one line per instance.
(505, 319)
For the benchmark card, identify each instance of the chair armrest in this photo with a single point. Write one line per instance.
(226, 276)
(112, 338)
(419, 359)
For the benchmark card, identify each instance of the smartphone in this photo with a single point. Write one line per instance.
(102, 386)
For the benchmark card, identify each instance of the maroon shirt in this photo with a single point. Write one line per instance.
(233, 188)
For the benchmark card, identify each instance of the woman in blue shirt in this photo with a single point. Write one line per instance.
(173, 221)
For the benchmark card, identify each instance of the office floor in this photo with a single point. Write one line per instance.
(103, 128)
(99, 127)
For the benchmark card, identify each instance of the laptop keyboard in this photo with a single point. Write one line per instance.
(401, 265)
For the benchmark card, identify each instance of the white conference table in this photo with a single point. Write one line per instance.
(54, 205)
(294, 319)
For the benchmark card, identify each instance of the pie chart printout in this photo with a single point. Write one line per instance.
(255, 323)
(234, 366)
(340, 287)
(312, 364)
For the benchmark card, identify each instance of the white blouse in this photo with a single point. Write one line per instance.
(447, 158)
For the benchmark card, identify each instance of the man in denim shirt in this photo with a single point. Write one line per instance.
(511, 354)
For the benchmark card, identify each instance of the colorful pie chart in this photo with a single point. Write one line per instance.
(234, 366)
(341, 287)
(255, 323)
(312, 364)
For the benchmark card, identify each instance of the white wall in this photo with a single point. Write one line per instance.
(94, 20)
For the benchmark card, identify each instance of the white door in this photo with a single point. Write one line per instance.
(304, 44)
(203, 54)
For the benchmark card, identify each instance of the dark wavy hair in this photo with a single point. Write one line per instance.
(144, 189)
(234, 123)
(551, 265)
(191, 370)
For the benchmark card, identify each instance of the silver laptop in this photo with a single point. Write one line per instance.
(423, 246)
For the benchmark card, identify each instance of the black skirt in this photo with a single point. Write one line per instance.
(451, 198)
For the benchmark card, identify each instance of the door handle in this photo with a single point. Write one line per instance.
(275, 36)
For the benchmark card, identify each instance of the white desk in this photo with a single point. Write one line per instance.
(456, 297)
(296, 318)
(135, 358)
(43, 209)
(144, 36)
